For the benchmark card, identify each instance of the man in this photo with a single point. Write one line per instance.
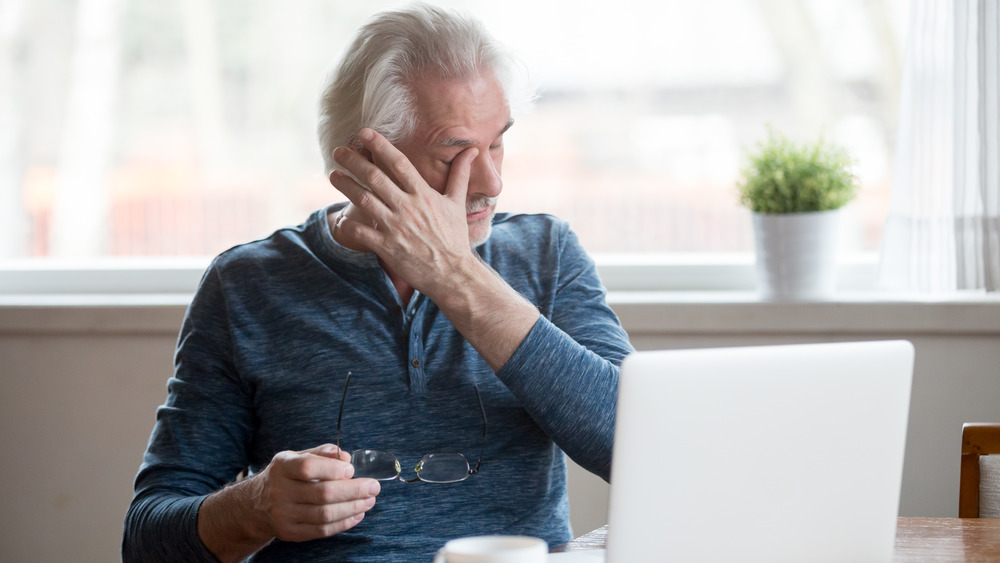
(459, 330)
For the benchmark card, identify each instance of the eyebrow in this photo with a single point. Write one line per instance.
(453, 142)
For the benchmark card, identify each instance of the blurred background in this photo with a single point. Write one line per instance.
(144, 128)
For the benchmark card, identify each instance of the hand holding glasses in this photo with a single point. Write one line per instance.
(432, 468)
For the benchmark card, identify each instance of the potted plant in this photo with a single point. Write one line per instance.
(795, 192)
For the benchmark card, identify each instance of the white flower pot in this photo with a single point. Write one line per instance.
(796, 255)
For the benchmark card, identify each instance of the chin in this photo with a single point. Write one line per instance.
(478, 234)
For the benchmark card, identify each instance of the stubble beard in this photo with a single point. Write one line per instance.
(475, 203)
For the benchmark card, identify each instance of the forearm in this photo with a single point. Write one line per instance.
(570, 391)
(228, 525)
(563, 370)
(492, 316)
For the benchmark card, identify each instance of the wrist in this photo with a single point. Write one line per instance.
(492, 316)
(470, 285)
(230, 523)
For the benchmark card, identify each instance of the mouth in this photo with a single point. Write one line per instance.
(477, 215)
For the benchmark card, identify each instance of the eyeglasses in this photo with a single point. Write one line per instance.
(432, 468)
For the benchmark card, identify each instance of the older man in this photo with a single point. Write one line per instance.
(412, 326)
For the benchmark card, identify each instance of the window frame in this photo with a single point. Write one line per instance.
(33, 279)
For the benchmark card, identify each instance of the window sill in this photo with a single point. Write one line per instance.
(743, 312)
(641, 312)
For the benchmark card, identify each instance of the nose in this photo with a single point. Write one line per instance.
(484, 177)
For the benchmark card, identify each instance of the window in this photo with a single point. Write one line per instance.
(135, 128)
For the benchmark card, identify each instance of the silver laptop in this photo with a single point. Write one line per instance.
(771, 454)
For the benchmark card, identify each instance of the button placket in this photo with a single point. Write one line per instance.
(418, 377)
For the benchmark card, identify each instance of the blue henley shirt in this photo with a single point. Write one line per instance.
(261, 361)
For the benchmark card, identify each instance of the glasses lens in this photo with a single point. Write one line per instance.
(442, 468)
(374, 464)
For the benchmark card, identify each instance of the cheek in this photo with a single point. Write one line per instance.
(431, 170)
(435, 176)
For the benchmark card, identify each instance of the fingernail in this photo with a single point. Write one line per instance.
(374, 488)
(367, 134)
(349, 472)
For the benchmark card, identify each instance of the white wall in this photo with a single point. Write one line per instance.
(76, 409)
(79, 388)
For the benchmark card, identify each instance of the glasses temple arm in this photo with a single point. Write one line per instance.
(482, 449)
(340, 415)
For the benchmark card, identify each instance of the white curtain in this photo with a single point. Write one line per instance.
(943, 229)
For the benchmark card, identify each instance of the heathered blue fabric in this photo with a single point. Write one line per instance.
(260, 366)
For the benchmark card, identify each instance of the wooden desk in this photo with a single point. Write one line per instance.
(945, 540)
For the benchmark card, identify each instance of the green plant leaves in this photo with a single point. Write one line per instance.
(785, 177)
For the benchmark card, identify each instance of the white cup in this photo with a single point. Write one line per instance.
(494, 549)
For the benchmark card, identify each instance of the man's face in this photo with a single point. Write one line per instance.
(454, 115)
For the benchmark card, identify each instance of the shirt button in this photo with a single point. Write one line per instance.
(415, 363)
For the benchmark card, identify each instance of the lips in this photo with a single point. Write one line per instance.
(477, 215)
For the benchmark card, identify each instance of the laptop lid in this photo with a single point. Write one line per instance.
(770, 453)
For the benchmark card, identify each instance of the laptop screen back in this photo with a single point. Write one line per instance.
(772, 453)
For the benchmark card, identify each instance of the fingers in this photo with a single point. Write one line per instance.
(390, 172)
(308, 466)
(310, 494)
(391, 160)
(300, 522)
(373, 187)
(331, 451)
(387, 174)
(457, 187)
(332, 501)
(367, 199)
(332, 492)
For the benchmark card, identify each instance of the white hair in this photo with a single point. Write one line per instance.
(372, 84)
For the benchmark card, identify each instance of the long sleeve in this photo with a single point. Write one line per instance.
(260, 367)
(198, 443)
(565, 373)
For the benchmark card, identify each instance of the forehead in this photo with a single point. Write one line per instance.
(473, 109)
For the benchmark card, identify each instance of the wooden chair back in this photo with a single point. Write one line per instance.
(978, 439)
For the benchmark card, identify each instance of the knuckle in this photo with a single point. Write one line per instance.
(374, 177)
(283, 464)
(305, 467)
(398, 161)
(327, 514)
(328, 493)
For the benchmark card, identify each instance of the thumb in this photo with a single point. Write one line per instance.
(458, 179)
